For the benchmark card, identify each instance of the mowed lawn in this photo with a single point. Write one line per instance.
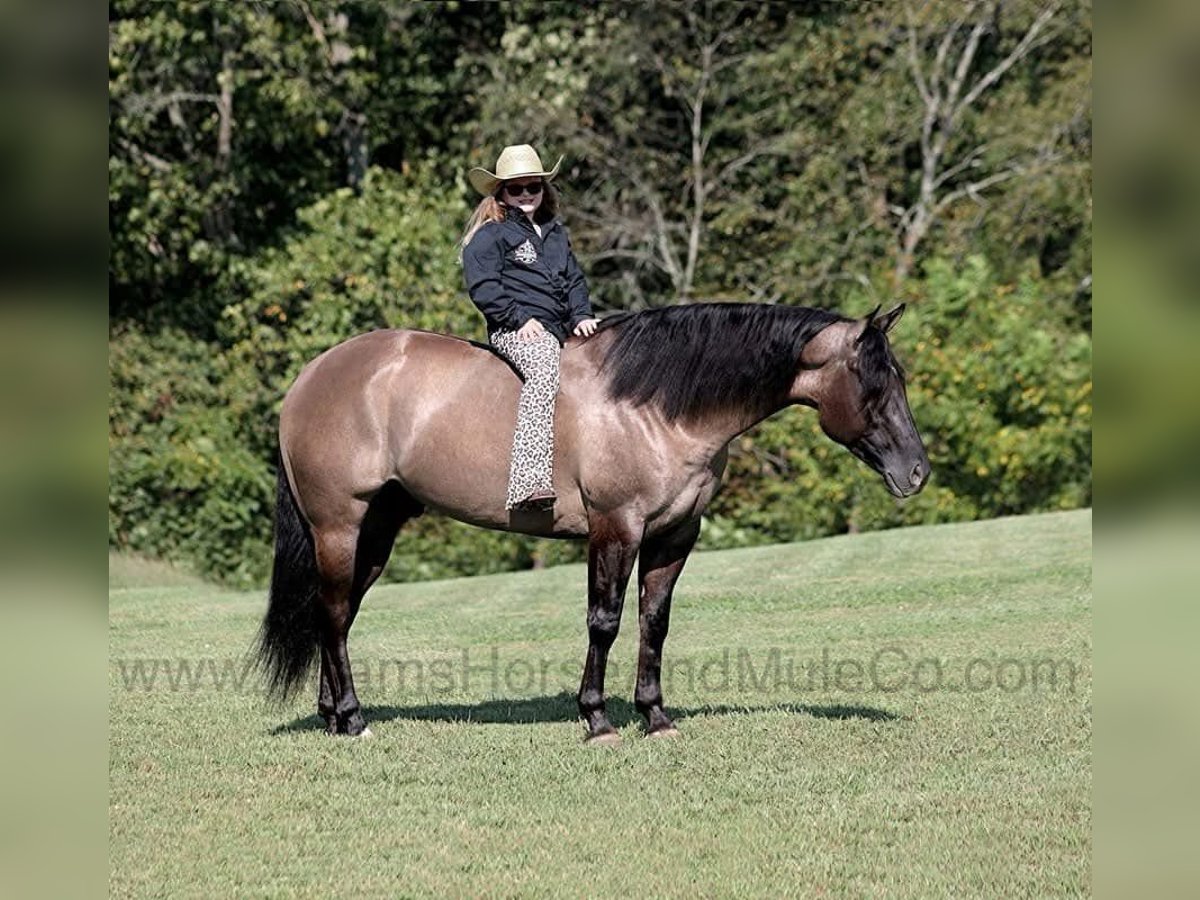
(904, 713)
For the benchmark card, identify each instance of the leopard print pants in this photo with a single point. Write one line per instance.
(533, 442)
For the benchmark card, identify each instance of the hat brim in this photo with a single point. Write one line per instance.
(486, 182)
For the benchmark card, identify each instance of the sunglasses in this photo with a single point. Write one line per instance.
(517, 190)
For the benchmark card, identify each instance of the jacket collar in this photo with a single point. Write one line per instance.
(512, 214)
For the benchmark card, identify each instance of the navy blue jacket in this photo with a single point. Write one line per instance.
(513, 275)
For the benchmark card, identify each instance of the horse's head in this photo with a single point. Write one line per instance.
(849, 374)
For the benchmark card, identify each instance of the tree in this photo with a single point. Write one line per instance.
(225, 118)
(951, 81)
(661, 107)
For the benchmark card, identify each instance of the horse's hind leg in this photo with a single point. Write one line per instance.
(344, 582)
(337, 701)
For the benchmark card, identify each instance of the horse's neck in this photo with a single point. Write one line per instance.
(709, 433)
(719, 428)
(716, 431)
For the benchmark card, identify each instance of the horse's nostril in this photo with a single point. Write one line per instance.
(917, 475)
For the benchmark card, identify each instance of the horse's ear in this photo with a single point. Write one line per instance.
(867, 324)
(889, 319)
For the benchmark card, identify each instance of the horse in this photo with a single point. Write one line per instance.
(389, 424)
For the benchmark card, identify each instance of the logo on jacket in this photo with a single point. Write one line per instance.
(525, 254)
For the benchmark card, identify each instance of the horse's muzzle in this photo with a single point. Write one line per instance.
(910, 482)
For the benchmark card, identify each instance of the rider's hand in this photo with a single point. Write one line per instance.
(530, 331)
(586, 327)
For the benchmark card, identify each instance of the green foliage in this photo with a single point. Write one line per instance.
(766, 152)
(226, 118)
(183, 485)
(436, 547)
(741, 133)
(1003, 385)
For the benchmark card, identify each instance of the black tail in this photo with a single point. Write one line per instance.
(289, 637)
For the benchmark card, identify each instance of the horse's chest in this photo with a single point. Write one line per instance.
(685, 499)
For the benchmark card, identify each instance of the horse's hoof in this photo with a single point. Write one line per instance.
(671, 732)
(604, 739)
(365, 734)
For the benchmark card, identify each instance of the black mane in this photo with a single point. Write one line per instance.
(707, 357)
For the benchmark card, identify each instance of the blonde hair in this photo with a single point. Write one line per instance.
(490, 209)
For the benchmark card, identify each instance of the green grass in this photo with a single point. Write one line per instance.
(126, 571)
(475, 787)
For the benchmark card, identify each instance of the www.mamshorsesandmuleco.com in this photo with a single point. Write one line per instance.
(494, 672)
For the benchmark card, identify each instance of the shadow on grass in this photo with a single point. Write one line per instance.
(561, 708)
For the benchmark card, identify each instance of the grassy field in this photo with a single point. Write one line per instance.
(905, 713)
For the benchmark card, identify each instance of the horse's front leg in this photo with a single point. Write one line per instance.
(661, 562)
(612, 548)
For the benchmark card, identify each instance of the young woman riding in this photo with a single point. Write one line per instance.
(521, 273)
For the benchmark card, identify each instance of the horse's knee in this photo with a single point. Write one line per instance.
(603, 625)
(655, 618)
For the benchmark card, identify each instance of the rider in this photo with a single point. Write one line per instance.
(521, 273)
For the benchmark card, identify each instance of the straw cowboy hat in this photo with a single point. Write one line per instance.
(517, 161)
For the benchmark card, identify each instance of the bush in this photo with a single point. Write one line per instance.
(182, 484)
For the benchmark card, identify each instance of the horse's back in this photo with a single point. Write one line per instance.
(344, 375)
